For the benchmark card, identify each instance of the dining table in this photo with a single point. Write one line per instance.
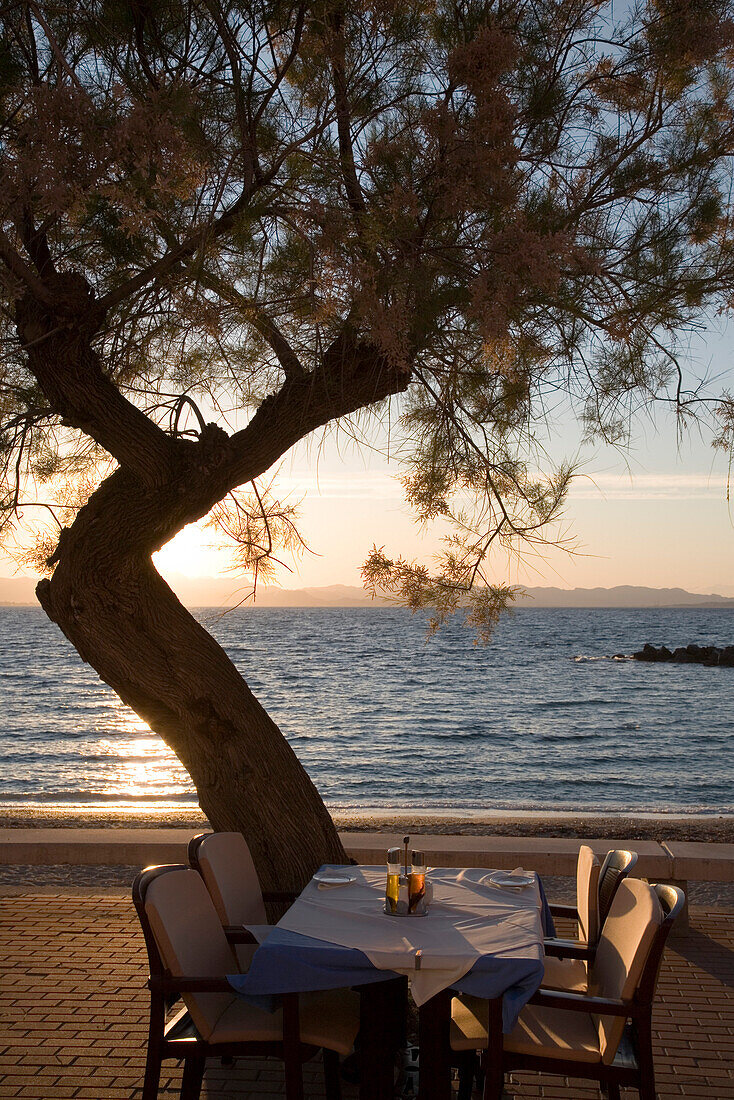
(482, 934)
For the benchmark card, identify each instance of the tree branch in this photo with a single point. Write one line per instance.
(68, 371)
(343, 121)
(21, 270)
(175, 255)
(260, 321)
(36, 245)
(244, 123)
(353, 375)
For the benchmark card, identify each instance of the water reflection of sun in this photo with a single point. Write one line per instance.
(141, 765)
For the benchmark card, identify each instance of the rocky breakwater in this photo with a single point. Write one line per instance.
(709, 655)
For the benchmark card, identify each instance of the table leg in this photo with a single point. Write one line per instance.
(378, 1039)
(492, 1061)
(434, 1023)
(434, 1080)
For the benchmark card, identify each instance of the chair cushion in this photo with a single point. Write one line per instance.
(329, 1019)
(567, 975)
(191, 940)
(553, 1033)
(242, 1022)
(469, 1023)
(542, 1032)
(629, 933)
(228, 870)
(587, 893)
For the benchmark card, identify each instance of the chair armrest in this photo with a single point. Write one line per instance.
(237, 933)
(568, 949)
(559, 910)
(280, 895)
(583, 1002)
(170, 984)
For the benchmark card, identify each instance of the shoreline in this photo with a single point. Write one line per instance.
(708, 828)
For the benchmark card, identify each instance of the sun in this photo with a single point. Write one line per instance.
(194, 552)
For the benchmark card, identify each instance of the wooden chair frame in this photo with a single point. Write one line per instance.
(178, 1037)
(633, 1063)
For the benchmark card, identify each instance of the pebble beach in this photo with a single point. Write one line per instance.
(709, 828)
(703, 828)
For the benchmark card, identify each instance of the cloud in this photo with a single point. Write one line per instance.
(381, 485)
(342, 486)
(631, 487)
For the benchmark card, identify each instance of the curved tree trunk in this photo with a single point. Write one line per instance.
(132, 629)
(126, 622)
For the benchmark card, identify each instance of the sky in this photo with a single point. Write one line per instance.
(655, 515)
(657, 524)
(658, 515)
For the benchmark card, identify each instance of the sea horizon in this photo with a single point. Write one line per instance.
(225, 594)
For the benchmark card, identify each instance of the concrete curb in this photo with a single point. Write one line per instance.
(666, 861)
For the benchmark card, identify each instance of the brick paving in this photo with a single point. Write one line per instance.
(73, 1012)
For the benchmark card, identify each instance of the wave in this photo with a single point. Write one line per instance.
(614, 657)
(65, 798)
(562, 704)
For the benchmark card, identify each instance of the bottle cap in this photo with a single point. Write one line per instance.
(418, 859)
(393, 855)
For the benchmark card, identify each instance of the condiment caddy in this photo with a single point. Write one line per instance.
(405, 892)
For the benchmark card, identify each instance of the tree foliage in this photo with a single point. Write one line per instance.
(497, 201)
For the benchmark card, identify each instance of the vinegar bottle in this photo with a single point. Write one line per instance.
(417, 883)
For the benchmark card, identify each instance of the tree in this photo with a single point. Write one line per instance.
(291, 212)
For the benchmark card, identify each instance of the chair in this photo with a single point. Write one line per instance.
(189, 958)
(616, 866)
(586, 910)
(566, 963)
(226, 865)
(583, 1035)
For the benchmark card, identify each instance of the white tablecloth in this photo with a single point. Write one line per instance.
(468, 919)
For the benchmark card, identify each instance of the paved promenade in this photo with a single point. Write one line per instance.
(73, 1011)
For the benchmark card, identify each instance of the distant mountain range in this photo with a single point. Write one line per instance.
(219, 592)
(624, 595)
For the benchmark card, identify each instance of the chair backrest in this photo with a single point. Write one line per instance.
(672, 901)
(587, 893)
(184, 937)
(224, 862)
(616, 866)
(629, 952)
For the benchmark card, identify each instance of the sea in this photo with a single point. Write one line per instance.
(384, 717)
